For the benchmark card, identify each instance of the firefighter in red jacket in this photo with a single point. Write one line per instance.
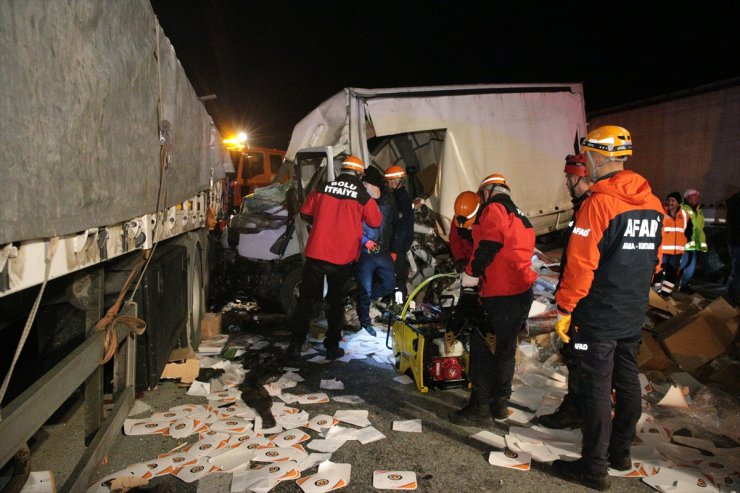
(612, 254)
(503, 245)
(336, 210)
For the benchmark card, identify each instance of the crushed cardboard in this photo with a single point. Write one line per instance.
(210, 325)
(182, 365)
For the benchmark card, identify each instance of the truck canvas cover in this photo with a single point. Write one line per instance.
(81, 144)
(459, 135)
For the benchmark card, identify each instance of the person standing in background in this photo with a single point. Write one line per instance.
(674, 242)
(403, 233)
(697, 240)
(733, 243)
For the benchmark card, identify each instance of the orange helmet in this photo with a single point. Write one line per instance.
(353, 163)
(466, 207)
(394, 172)
(576, 165)
(493, 180)
(609, 140)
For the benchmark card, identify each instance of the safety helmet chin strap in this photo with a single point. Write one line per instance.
(572, 188)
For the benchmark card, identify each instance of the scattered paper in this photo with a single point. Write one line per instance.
(40, 482)
(369, 434)
(332, 384)
(490, 438)
(409, 425)
(404, 379)
(674, 398)
(195, 471)
(520, 461)
(330, 476)
(394, 480)
(316, 398)
(322, 423)
(139, 407)
(354, 417)
(348, 399)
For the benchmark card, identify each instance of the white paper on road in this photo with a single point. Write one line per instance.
(145, 426)
(357, 417)
(699, 443)
(292, 375)
(279, 454)
(308, 351)
(394, 480)
(199, 389)
(315, 398)
(369, 434)
(289, 421)
(321, 423)
(409, 425)
(182, 428)
(528, 397)
(323, 445)
(289, 437)
(645, 387)
(692, 477)
(320, 360)
(228, 395)
(541, 434)
(264, 479)
(287, 397)
(404, 379)
(521, 461)
(330, 476)
(674, 398)
(539, 451)
(519, 416)
(232, 426)
(40, 482)
(313, 459)
(278, 409)
(332, 384)
(139, 407)
(338, 432)
(564, 449)
(230, 460)
(638, 470)
(490, 438)
(348, 399)
(195, 471)
(291, 369)
(210, 446)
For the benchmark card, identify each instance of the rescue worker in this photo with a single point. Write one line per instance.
(503, 245)
(467, 205)
(375, 258)
(468, 307)
(697, 240)
(336, 211)
(674, 242)
(612, 254)
(403, 232)
(568, 415)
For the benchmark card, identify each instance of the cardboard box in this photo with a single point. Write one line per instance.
(651, 355)
(183, 365)
(723, 319)
(692, 342)
(210, 325)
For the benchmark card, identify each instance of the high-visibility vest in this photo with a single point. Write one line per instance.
(674, 239)
(698, 240)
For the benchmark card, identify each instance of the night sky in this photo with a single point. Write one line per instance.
(271, 62)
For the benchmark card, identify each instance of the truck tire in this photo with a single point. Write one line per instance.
(197, 294)
(16, 471)
(289, 289)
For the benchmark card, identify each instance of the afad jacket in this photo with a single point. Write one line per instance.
(674, 237)
(337, 211)
(503, 245)
(612, 254)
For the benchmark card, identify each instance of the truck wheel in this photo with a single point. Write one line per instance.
(289, 289)
(16, 471)
(197, 298)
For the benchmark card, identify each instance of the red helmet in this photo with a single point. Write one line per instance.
(466, 207)
(576, 165)
(394, 172)
(353, 163)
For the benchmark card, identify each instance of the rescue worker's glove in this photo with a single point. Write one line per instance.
(468, 281)
(562, 325)
(371, 246)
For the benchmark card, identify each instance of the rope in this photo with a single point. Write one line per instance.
(111, 318)
(51, 248)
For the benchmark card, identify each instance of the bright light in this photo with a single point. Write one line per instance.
(237, 142)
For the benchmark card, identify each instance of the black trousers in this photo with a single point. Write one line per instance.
(401, 270)
(605, 365)
(570, 358)
(312, 291)
(491, 374)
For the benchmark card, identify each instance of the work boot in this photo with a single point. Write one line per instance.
(369, 329)
(620, 459)
(500, 409)
(473, 414)
(334, 353)
(567, 416)
(576, 472)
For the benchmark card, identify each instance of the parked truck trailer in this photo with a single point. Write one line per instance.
(109, 169)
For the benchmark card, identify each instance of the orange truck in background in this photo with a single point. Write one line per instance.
(255, 167)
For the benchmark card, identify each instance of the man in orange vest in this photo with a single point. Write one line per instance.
(674, 241)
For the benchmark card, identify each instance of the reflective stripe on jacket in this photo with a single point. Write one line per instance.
(674, 239)
(698, 241)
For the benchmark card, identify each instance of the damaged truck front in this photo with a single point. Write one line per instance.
(110, 168)
(447, 138)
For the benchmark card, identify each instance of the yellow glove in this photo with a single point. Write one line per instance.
(562, 326)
